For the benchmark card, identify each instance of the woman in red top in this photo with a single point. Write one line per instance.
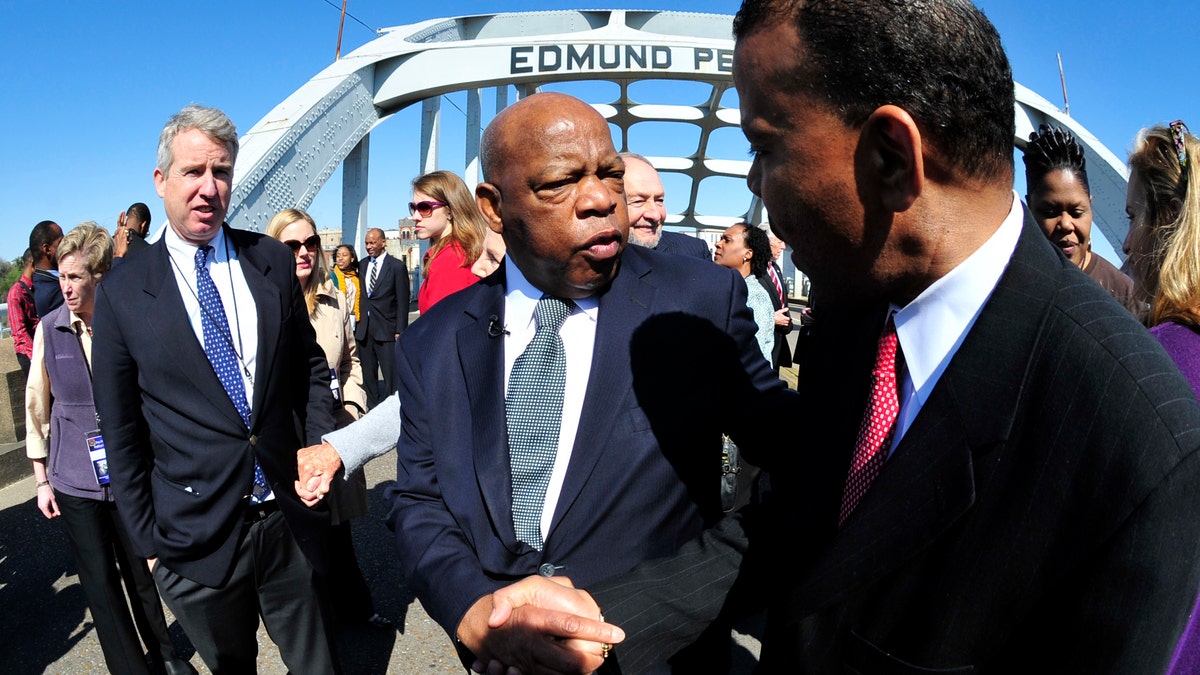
(444, 211)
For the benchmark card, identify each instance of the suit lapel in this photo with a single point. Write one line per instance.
(267, 303)
(624, 307)
(929, 481)
(176, 333)
(482, 358)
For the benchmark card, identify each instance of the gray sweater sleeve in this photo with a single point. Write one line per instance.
(371, 436)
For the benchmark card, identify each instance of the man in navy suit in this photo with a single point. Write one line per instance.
(644, 200)
(384, 315)
(199, 410)
(637, 466)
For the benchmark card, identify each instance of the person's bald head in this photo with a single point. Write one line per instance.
(554, 190)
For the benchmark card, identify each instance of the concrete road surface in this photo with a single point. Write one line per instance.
(46, 628)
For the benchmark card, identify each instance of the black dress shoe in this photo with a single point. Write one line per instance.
(177, 666)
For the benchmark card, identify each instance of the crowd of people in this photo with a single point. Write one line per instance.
(1004, 475)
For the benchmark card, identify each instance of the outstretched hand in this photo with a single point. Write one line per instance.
(537, 626)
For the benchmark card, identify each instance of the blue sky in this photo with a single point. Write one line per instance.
(87, 86)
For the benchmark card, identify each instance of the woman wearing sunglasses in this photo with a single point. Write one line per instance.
(444, 212)
(330, 315)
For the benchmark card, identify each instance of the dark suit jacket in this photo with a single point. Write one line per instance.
(1039, 515)
(47, 293)
(181, 458)
(681, 244)
(781, 354)
(385, 310)
(645, 468)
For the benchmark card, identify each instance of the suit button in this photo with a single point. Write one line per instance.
(546, 569)
(253, 440)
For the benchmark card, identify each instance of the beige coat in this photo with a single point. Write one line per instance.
(331, 322)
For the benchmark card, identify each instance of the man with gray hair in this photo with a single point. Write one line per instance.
(204, 361)
(647, 213)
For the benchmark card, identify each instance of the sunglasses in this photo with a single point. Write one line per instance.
(312, 244)
(424, 208)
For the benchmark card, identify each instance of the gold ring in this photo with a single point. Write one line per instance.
(604, 649)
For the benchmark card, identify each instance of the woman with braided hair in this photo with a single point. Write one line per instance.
(1061, 201)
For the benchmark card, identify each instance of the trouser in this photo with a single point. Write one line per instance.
(348, 593)
(270, 578)
(99, 544)
(376, 356)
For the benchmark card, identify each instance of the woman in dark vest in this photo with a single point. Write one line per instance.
(64, 442)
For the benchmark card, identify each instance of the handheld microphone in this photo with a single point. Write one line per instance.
(495, 328)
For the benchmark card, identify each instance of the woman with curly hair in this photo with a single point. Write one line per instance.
(747, 250)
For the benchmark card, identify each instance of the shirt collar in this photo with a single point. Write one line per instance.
(932, 326)
(521, 297)
(180, 248)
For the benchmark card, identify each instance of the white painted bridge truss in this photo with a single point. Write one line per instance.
(289, 155)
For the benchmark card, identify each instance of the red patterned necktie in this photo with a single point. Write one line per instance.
(775, 280)
(878, 425)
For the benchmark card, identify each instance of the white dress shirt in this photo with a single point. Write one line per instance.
(932, 327)
(240, 310)
(578, 334)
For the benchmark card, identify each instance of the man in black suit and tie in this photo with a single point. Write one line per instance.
(384, 315)
(1004, 473)
(644, 200)
(772, 281)
(205, 363)
(597, 458)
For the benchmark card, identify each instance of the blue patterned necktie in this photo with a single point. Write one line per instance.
(218, 347)
(534, 411)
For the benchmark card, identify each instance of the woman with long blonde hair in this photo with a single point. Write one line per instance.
(444, 212)
(1163, 244)
(330, 314)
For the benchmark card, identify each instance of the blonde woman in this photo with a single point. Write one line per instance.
(330, 315)
(444, 212)
(1163, 204)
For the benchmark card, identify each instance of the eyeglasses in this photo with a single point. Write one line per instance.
(312, 244)
(424, 208)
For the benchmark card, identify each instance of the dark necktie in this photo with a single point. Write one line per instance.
(218, 347)
(878, 424)
(375, 264)
(534, 412)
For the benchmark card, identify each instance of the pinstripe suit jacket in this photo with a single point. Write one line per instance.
(1039, 515)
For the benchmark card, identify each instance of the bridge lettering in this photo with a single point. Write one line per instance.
(592, 57)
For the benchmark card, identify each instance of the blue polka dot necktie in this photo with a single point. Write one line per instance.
(218, 347)
(534, 410)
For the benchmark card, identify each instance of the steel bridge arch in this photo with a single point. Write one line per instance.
(288, 156)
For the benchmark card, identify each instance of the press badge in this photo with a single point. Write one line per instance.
(95, 444)
(335, 386)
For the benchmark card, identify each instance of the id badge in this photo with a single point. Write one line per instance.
(95, 444)
(335, 386)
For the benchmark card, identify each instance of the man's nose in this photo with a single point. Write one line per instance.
(594, 197)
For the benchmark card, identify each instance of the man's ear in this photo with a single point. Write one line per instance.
(893, 152)
(487, 198)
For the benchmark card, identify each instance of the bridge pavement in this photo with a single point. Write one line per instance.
(45, 627)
